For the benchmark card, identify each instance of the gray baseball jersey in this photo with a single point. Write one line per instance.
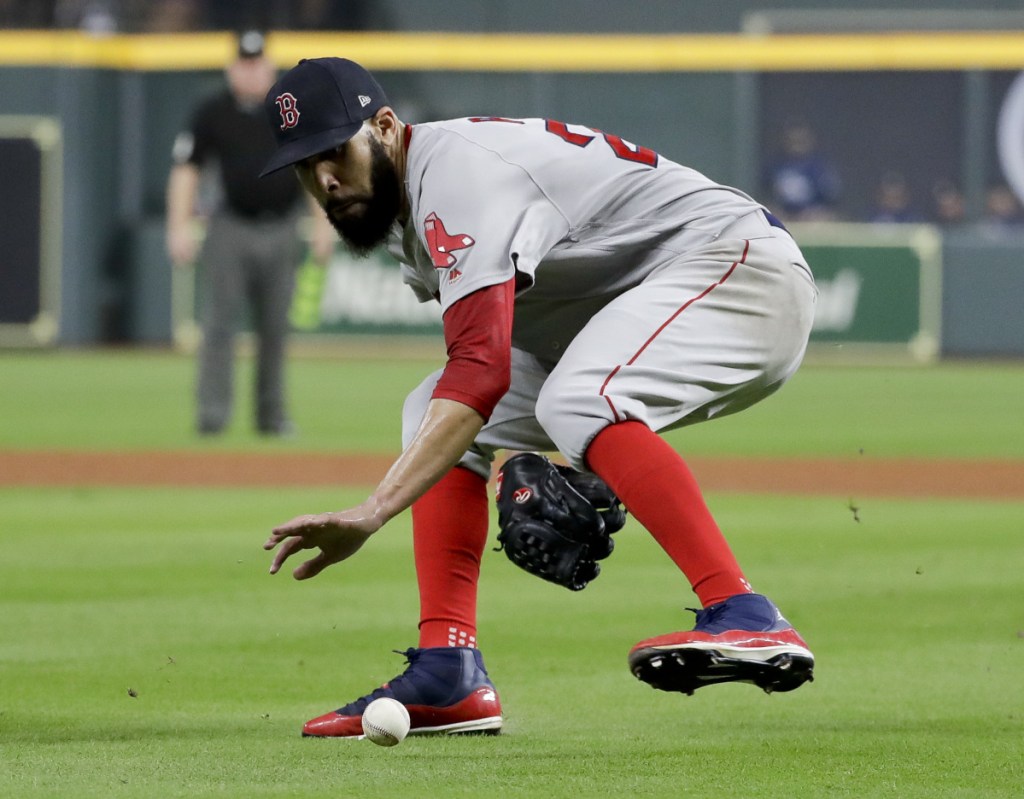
(575, 215)
(608, 242)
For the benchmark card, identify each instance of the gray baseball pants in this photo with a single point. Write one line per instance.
(246, 265)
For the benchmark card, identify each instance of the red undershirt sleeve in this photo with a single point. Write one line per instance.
(478, 335)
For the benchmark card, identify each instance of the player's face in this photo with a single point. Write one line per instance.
(357, 186)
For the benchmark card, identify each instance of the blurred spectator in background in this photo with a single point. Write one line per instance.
(175, 16)
(25, 14)
(804, 183)
(252, 247)
(1002, 210)
(290, 14)
(949, 208)
(330, 15)
(893, 201)
(112, 16)
(185, 16)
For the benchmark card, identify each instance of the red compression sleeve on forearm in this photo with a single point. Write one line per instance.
(658, 488)
(450, 525)
(478, 335)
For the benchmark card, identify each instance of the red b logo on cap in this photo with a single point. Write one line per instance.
(287, 105)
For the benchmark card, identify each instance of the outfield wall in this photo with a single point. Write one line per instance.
(925, 105)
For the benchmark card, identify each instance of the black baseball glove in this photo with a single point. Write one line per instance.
(556, 522)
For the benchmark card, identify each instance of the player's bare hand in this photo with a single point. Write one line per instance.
(182, 246)
(338, 535)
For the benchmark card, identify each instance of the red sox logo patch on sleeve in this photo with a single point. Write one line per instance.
(442, 244)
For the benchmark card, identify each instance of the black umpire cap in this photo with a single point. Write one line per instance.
(250, 44)
(317, 105)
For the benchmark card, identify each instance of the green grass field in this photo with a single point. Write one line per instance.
(146, 652)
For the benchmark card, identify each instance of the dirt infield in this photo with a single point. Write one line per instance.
(856, 477)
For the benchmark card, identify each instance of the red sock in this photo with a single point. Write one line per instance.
(450, 525)
(657, 487)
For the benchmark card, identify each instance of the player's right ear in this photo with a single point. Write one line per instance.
(386, 124)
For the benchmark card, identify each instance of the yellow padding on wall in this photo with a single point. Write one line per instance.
(531, 53)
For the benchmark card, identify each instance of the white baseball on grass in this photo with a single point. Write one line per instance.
(385, 721)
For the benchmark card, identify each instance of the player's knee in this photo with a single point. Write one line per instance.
(570, 418)
(549, 409)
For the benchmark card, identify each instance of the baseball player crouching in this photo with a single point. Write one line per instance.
(594, 294)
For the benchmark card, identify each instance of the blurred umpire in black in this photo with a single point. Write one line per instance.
(252, 247)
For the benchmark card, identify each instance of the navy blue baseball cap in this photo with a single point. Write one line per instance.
(317, 105)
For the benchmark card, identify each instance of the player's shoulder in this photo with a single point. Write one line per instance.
(485, 142)
(480, 130)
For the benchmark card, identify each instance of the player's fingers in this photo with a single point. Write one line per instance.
(275, 539)
(288, 528)
(296, 526)
(287, 549)
(300, 524)
(312, 567)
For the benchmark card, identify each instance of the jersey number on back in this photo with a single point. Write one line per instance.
(621, 148)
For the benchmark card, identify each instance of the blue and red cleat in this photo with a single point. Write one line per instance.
(445, 689)
(743, 639)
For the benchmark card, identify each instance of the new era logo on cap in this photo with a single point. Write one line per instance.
(319, 104)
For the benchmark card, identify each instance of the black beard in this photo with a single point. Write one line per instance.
(364, 232)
